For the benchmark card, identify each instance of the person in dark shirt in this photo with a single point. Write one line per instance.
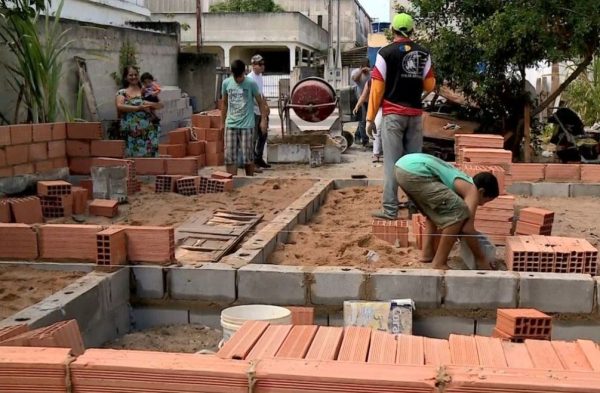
(402, 72)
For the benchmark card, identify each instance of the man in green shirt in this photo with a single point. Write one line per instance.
(449, 199)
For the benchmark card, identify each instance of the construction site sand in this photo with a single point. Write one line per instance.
(173, 338)
(340, 233)
(21, 287)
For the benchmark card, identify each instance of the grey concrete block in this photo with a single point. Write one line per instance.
(583, 190)
(442, 326)
(348, 183)
(207, 317)
(332, 285)
(114, 325)
(524, 189)
(265, 240)
(149, 317)
(484, 327)
(480, 289)
(376, 182)
(271, 284)
(53, 266)
(550, 189)
(423, 286)
(557, 292)
(573, 330)
(149, 282)
(214, 282)
(119, 287)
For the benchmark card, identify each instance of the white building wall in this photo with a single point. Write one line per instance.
(104, 12)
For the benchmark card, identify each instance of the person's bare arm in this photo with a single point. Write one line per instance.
(363, 98)
(469, 193)
(122, 107)
(225, 106)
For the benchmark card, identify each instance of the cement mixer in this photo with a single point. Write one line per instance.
(313, 100)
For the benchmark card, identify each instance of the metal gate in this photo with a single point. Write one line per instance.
(271, 84)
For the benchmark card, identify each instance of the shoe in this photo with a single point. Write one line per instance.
(261, 163)
(383, 215)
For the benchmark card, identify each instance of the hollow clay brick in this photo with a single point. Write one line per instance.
(27, 210)
(383, 348)
(18, 154)
(20, 134)
(57, 149)
(42, 132)
(270, 342)
(108, 148)
(112, 247)
(84, 130)
(23, 169)
(80, 197)
(148, 244)
(355, 345)
(326, 343)
(76, 148)
(242, 342)
(18, 241)
(201, 121)
(180, 136)
(38, 151)
(4, 135)
(196, 148)
(150, 166)
(297, 342)
(53, 188)
(68, 242)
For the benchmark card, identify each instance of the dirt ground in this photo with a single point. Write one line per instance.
(21, 287)
(174, 338)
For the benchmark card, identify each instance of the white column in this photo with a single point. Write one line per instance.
(226, 55)
(292, 50)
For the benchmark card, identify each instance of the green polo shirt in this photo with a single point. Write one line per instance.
(426, 165)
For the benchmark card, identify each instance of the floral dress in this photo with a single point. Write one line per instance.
(141, 133)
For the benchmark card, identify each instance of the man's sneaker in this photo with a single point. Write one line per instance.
(383, 215)
(261, 163)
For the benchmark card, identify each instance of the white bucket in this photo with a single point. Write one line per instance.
(233, 318)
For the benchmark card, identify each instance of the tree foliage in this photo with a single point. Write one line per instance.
(583, 94)
(484, 47)
(246, 6)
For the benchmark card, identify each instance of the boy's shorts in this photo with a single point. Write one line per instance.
(238, 146)
(436, 201)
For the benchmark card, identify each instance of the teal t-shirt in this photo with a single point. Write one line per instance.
(240, 102)
(425, 165)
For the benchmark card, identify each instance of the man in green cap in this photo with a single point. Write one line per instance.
(402, 72)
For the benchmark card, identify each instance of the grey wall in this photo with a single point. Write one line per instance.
(100, 46)
(197, 77)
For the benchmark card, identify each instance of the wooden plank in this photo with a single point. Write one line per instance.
(87, 87)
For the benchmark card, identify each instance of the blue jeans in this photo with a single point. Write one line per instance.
(361, 131)
(400, 135)
(260, 139)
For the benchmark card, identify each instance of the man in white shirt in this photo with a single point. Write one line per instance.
(260, 137)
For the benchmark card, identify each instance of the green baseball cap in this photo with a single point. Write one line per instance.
(403, 22)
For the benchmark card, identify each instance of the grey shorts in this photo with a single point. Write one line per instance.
(436, 201)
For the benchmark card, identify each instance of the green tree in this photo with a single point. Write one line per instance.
(246, 6)
(583, 94)
(483, 48)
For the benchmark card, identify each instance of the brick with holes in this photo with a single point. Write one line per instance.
(112, 247)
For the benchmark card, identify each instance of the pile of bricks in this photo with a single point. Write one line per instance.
(27, 210)
(551, 254)
(484, 151)
(494, 219)
(475, 141)
(535, 221)
(499, 172)
(210, 128)
(194, 185)
(392, 231)
(520, 324)
(418, 228)
(586, 173)
(64, 334)
(27, 149)
(24, 369)
(56, 198)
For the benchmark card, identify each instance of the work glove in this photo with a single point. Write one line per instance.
(370, 129)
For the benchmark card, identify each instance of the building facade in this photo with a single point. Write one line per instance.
(104, 12)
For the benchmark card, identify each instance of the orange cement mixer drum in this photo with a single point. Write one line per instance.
(313, 99)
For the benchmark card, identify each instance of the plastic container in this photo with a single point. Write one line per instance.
(233, 318)
(487, 247)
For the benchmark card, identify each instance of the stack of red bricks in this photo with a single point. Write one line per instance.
(485, 151)
(418, 229)
(392, 231)
(494, 219)
(26, 210)
(114, 245)
(210, 128)
(551, 254)
(520, 324)
(35, 369)
(586, 173)
(56, 198)
(64, 334)
(84, 141)
(475, 141)
(28, 149)
(535, 221)
(499, 172)
(194, 185)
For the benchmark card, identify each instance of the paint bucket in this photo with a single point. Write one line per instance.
(233, 318)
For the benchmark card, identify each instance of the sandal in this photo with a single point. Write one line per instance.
(376, 158)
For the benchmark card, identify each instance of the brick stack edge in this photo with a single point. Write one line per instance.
(194, 185)
(535, 221)
(393, 232)
(518, 325)
(63, 334)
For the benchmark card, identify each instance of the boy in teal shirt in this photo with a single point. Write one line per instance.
(239, 93)
(449, 199)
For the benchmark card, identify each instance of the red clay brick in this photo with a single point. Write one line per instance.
(270, 342)
(182, 166)
(150, 166)
(84, 130)
(104, 207)
(175, 151)
(59, 131)
(563, 172)
(112, 247)
(12, 331)
(213, 134)
(214, 159)
(27, 210)
(148, 244)
(199, 134)
(180, 136)
(68, 242)
(326, 343)
(61, 162)
(2, 158)
(88, 184)
(5, 214)
(20, 134)
(38, 151)
(221, 175)
(76, 148)
(42, 132)
(590, 173)
(57, 206)
(355, 345)
(44, 166)
(212, 148)
(196, 148)
(216, 121)
(201, 121)
(298, 342)
(302, 315)
(80, 197)
(18, 241)
(201, 160)
(80, 165)
(4, 135)
(53, 188)
(107, 148)
(57, 149)
(6, 172)
(17, 154)
(23, 169)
